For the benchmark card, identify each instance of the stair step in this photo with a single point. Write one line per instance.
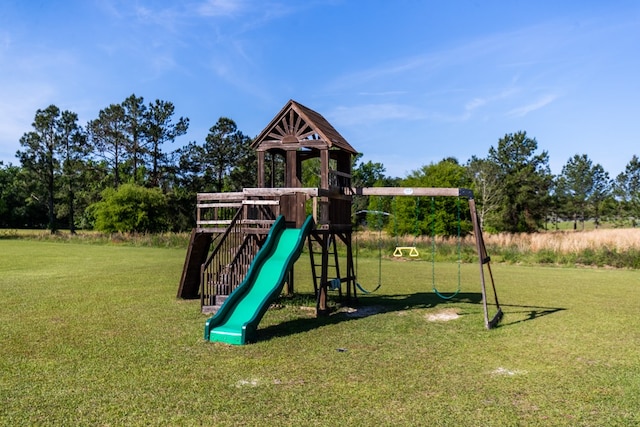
(213, 309)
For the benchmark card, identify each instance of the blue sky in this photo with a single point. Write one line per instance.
(406, 82)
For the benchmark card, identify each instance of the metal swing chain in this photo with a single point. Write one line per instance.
(433, 249)
(380, 214)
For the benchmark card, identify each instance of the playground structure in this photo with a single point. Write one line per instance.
(238, 224)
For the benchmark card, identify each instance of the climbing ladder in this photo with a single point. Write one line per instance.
(325, 266)
(323, 246)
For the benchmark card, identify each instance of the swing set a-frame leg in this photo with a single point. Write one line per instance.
(484, 259)
(490, 323)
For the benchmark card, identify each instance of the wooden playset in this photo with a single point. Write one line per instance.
(232, 227)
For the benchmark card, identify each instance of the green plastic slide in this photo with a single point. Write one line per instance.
(237, 319)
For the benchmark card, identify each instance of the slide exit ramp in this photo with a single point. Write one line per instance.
(237, 319)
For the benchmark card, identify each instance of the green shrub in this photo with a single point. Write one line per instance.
(546, 256)
(510, 254)
(131, 208)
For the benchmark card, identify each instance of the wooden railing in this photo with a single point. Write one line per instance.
(214, 272)
(215, 211)
(242, 234)
(339, 180)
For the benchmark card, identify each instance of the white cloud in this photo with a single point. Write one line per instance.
(384, 93)
(18, 106)
(533, 106)
(367, 113)
(221, 7)
(479, 103)
(475, 103)
(377, 73)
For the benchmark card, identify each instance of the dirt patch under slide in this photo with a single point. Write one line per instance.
(443, 315)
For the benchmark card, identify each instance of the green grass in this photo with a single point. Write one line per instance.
(93, 335)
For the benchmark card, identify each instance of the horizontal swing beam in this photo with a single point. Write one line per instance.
(413, 191)
(240, 197)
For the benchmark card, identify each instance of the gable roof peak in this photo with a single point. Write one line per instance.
(298, 124)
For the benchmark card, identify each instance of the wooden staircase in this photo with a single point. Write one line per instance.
(235, 226)
(218, 283)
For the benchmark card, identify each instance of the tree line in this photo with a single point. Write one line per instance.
(514, 189)
(115, 173)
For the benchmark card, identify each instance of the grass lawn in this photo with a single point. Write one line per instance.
(93, 335)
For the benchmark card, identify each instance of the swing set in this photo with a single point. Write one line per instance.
(412, 251)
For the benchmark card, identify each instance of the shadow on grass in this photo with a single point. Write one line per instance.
(365, 306)
(528, 312)
(370, 305)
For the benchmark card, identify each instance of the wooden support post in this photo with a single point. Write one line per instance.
(298, 169)
(315, 209)
(321, 306)
(332, 242)
(261, 169)
(289, 290)
(314, 272)
(351, 275)
(324, 168)
(272, 175)
(483, 259)
(291, 174)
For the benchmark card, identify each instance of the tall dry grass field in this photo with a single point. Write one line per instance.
(564, 242)
(618, 248)
(561, 242)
